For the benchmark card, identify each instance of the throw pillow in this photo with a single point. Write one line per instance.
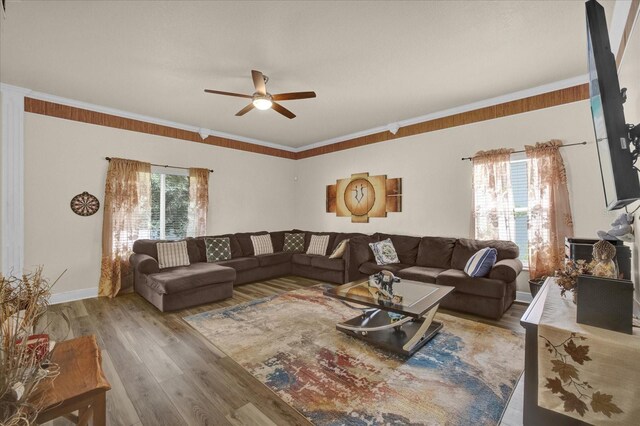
(293, 243)
(338, 252)
(262, 244)
(480, 264)
(218, 249)
(318, 245)
(384, 252)
(172, 254)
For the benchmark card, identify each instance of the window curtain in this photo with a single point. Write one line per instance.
(492, 197)
(127, 217)
(550, 219)
(198, 202)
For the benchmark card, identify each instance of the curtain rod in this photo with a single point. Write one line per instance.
(522, 150)
(165, 165)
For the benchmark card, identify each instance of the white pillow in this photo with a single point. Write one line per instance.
(318, 244)
(262, 244)
(384, 252)
(171, 255)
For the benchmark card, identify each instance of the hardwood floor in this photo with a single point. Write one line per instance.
(163, 372)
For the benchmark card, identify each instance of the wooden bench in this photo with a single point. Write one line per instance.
(81, 385)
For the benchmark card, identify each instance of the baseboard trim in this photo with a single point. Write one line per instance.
(523, 296)
(70, 296)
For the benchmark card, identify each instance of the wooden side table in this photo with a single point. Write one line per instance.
(81, 385)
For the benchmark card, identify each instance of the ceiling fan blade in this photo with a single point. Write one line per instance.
(282, 110)
(293, 95)
(245, 110)
(218, 92)
(258, 82)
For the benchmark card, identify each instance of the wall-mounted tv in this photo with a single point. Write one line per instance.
(619, 176)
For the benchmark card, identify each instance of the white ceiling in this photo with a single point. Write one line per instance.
(371, 63)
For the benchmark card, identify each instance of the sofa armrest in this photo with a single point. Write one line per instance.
(506, 270)
(144, 263)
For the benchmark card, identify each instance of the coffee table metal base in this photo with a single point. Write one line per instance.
(404, 336)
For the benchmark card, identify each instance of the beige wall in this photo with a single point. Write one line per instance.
(63, 158)
(437, 184)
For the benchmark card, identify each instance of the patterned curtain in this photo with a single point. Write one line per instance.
(127, 217)
(198, 202)
(550, 219)
(492, 197)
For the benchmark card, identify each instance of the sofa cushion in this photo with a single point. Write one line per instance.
(406, 246)
(360, 250)
(463, 283)
(466, 248)
(371, 268)
(236, 250)
(302, 258)
(183, 278)
(150, 248)
(341, 236)
(424, 274)
(262, 244)
(435, 252)
(244, 239)
(172, 254)
(480, 264)
(384, 252)
(293, 242)
(217, 249)
(318, 244)
(324, 262)
(277, 240)
(274, 258)
(330, 243)
(241, 263)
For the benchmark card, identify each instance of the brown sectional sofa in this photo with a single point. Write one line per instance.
(433, 260)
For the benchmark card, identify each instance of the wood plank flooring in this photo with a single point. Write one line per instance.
(163, 372)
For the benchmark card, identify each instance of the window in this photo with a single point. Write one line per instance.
(520, 193)
(169, 203)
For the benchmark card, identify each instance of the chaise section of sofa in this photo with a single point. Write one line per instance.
(203, 282)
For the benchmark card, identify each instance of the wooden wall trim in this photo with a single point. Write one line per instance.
(67, 112)
(626, 33)
(532, 103)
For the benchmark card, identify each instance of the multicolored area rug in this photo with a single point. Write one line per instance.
(464, 376)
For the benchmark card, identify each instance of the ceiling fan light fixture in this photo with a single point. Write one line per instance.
(262, 102)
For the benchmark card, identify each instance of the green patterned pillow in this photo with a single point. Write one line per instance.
(293, 243)
(218, 249)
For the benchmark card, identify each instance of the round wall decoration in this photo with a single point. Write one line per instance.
(85, 204)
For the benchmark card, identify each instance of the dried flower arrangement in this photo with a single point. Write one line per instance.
(23, 355)
(567, 277)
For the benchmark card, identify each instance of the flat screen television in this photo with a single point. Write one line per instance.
(619, 176)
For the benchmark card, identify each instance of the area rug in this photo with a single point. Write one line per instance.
(464, 376)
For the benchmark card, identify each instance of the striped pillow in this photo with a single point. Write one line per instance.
(480, 264)
(318, 244)
(262, 244)
(171, 255)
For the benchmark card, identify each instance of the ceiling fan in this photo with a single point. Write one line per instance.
(264, 100)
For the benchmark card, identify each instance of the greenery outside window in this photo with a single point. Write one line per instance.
(169, 203)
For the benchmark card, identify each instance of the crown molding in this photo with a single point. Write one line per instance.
(546, 88)
(139, 117)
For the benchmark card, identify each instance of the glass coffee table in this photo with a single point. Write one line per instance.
(402, 323)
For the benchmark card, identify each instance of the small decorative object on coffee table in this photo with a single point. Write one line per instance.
(402, 323)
